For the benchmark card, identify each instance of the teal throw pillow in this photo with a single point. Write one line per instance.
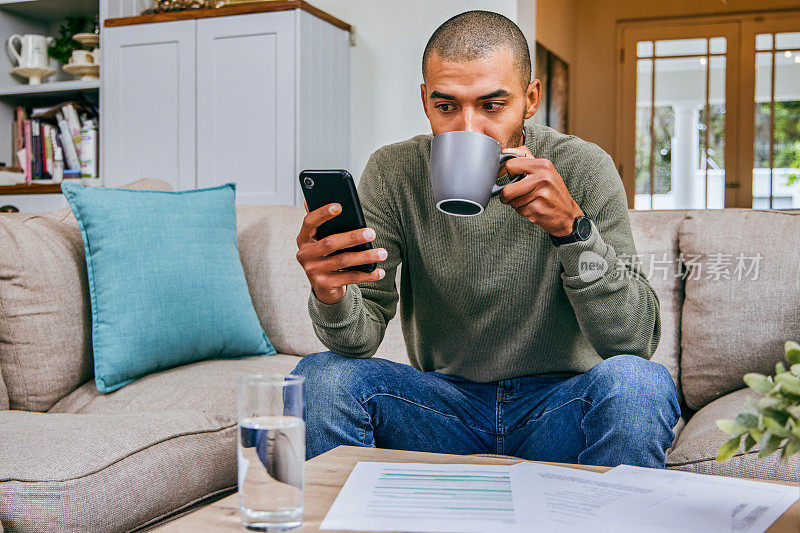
(166, 282)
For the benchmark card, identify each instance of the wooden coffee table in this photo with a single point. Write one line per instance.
(326, 474)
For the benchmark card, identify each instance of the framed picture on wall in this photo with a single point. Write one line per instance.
(553, 73)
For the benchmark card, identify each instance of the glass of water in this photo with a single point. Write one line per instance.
(272, 451)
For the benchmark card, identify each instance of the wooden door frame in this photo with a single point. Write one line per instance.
(738, 28)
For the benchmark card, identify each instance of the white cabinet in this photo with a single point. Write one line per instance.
(245, 102)
(251, 98)
(149, 110)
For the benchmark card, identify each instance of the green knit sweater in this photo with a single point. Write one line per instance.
(490, 297)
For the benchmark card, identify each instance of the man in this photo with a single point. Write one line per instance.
(515, 349)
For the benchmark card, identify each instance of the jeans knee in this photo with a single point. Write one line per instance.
(311, 365)
(330, 377)
(636, 383)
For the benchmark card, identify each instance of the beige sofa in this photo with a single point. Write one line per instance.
(72, 459)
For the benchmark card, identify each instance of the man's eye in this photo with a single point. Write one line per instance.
(445, 107)
(492, 106)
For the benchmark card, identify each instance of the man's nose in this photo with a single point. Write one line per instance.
(470, 121)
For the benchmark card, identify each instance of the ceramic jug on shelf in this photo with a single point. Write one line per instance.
(33, 50)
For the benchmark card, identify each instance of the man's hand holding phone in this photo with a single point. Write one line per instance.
(323, 270)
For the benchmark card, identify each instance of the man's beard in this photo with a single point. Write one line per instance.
(516, 137)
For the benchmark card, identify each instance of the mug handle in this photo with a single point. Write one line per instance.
(12, 48)
(497, 188)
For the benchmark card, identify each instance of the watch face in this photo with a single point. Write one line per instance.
(584, 228)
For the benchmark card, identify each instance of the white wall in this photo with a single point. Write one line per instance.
(386, 63)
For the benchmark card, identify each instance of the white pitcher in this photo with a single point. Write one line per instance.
(34, 50)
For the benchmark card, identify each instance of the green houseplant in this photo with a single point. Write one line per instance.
(775, 425)
(63, 45)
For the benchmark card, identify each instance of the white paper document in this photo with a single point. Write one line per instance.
(528, 497)
(424, 498)
(708, 503)
(553, 498)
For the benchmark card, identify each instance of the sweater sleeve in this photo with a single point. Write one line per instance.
(355, 326)
(616, 308)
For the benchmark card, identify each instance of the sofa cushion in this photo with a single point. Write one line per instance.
(655, 234)
(45, 321)
(736, 321)
(205, 386)
(70, 473)
(279, 287)
(695, 449)
(166, 283)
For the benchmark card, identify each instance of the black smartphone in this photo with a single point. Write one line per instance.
(322, 187)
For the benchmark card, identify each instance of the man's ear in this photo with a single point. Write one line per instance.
(533, 96)
(424, 95)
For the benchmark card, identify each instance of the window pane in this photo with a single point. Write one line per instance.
(664, 133)
(681, 88)
(719, 45)
(764, 41)
(715, 186)
(644, 49)
(761, 131)
(643, 88)
(787, 40)
(681, 47)
(776, 184)
(786, 165)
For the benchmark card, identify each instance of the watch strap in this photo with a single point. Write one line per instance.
(570, 237)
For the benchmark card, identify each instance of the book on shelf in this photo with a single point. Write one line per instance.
(28, 152)
(51, 143)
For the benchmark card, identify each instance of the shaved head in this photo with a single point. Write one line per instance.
(477, 35)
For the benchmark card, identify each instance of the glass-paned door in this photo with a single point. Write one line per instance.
(776, 143)
(709, 111)
(678, 116)
(680, 123)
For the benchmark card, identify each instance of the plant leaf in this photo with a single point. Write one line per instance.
(749, 442)
(794, 410)
(731, 427)
(788, 383)
(775, 427)
(748, 420)
(795, 369)
(791, 448)
(792, 350)
(780, 417)
(758, 382)
(768, 445)
(767, 401)
(728, 450)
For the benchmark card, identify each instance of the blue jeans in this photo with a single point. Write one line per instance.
(622, 411)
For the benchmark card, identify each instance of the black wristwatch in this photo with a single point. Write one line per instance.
(581, 230)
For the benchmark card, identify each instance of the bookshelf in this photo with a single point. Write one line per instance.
(42, 17)
(62, 89)
(30, 188)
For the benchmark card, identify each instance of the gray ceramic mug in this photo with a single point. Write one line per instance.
(464, 167)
